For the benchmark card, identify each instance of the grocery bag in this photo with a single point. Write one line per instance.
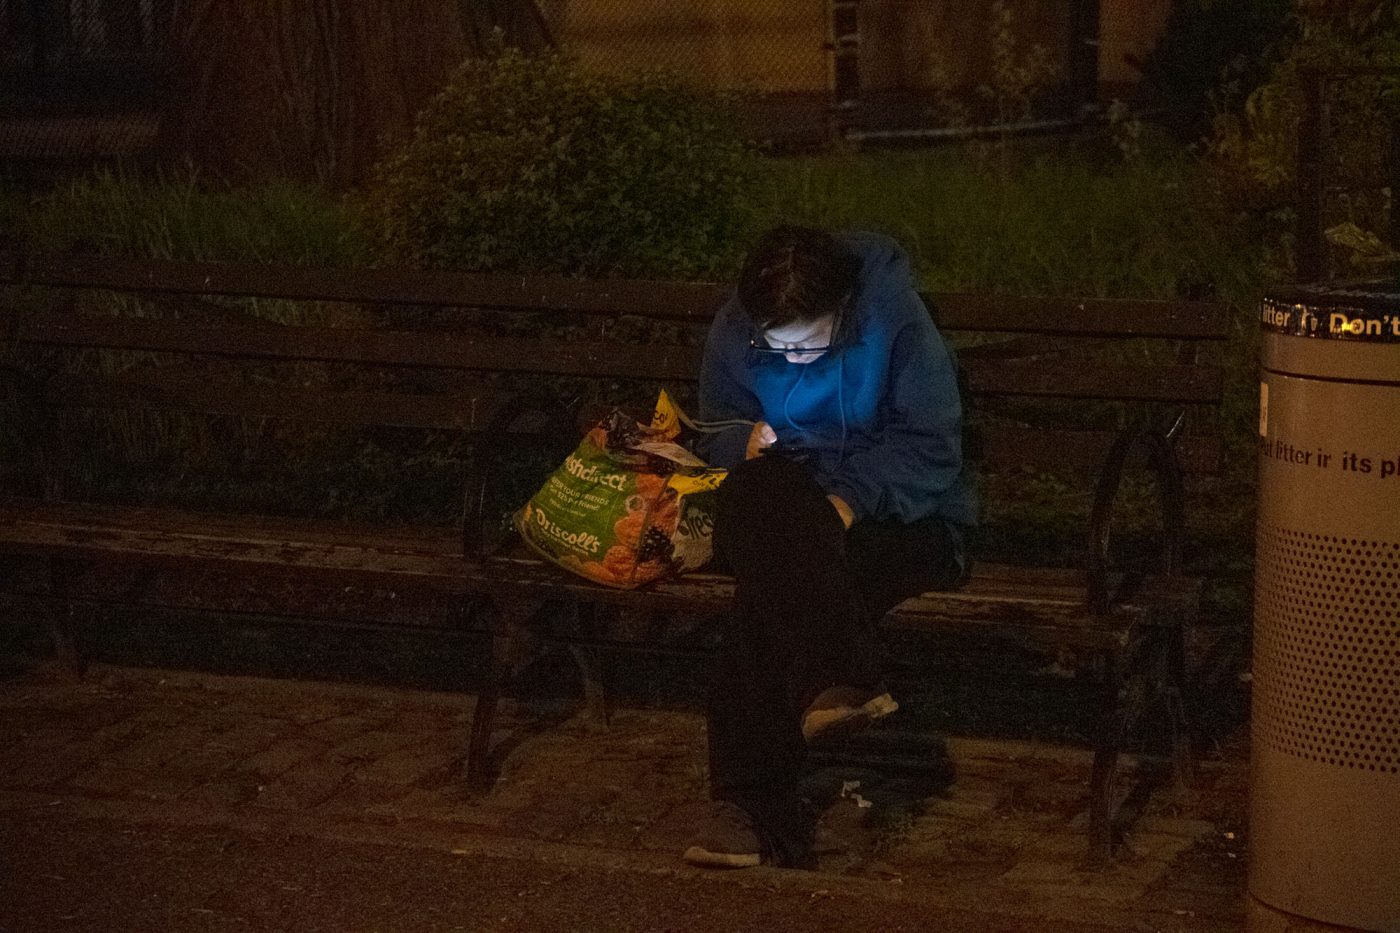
(630, 505)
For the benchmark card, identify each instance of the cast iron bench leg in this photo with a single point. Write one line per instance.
(513, 642)
(595, 697)
(1102, 788)
(62, 613)
(1137, 680)
(1167, 660)
(1178, 721)
(1124, 701)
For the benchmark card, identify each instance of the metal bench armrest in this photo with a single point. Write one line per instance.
(485, 461)
(1160, 448)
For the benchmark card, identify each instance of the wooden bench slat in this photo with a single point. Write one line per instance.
(1006, 446)
(1040, 598)
(1028, 347)
(1095, 380)
(1057, 378)
(367, 559)
(664, 300)
(1030, 614)
(225, 592)
(171, 521)
(367, 286)
(471, 411)
(445, 350)
(450, 412)
(1081, 317)
(1066, 586)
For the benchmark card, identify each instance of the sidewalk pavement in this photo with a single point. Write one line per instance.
(380, 765)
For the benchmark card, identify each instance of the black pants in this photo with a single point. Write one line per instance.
(809, 597)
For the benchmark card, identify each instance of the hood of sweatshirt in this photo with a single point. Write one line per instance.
(878, 413)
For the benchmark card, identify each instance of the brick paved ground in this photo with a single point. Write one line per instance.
(1006, 835)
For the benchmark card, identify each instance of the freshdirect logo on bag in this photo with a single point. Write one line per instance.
(591, 474)
(577, 539)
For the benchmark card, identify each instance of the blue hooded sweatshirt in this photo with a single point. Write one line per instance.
(879, 411)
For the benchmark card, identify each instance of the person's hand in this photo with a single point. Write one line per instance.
(848, 517)
(760, 437)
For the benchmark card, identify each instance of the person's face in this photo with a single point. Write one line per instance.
(803, 341)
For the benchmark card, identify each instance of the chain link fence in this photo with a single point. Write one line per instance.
(79, 81)
(72, 53)
(814, 69)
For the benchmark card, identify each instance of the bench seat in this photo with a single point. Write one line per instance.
(1037, 604)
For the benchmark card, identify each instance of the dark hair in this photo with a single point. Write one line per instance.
(796, 274)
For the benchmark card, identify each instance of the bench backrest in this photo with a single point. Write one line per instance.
(1022, 357)
(1014, 351)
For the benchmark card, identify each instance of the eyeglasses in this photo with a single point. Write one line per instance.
(759, 344)
(758, 347)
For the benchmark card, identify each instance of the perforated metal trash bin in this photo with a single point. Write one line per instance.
(1325, 769)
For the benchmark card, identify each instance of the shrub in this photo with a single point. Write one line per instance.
(1257, 147)
(531, 163)
(1212, 54)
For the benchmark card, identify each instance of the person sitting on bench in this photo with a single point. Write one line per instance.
(845, 497)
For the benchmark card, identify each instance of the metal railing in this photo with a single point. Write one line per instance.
(1319, 181)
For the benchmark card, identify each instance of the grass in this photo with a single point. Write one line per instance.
(1048, 223)
(1064, 222)
(182, 216)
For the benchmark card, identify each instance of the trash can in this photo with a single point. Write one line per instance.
(1325, 753)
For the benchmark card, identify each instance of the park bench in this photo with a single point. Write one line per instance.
(1094, 388)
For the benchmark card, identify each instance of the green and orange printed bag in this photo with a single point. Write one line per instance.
(629, 506)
